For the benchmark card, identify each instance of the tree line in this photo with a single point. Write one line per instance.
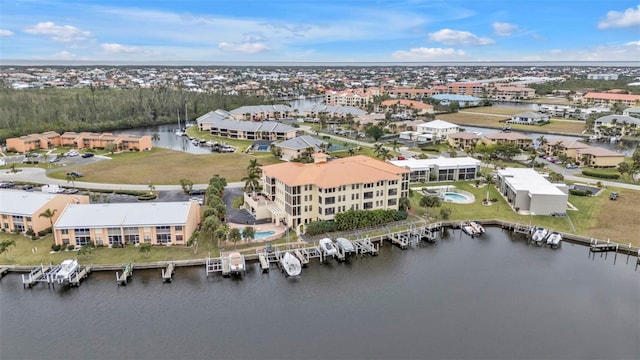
(97, 109)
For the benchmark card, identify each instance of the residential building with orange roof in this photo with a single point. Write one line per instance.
(411, 93)
(598, 157)
(611, 98)
(463, 140)
(510, 92)
(50, 139)
(564, 146)
(467, 88)
(351, 97)
(296, 194)
(409, 105)
(522, 141)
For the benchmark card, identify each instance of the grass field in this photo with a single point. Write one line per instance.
(495, 117)
(167, 167)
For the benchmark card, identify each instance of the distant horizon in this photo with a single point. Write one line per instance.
(45, 62)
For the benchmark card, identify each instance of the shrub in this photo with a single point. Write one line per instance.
(577, 192)
(70, 247)
(321, 227)
(602, 175)
(55, 247)
(147, 197)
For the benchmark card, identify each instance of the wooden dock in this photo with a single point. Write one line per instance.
(604, 247)
(79, 276)
(167, 273)
(226, 269)
(127, 272)
(304, 260)
(264, 264)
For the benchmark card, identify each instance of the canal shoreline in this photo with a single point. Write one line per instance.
(625, 249)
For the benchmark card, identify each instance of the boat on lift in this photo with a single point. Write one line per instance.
(477, 228)
(236, 263)
(67, 269)
(539, 234)
(290, 264)
(328, 247)
(554, 238)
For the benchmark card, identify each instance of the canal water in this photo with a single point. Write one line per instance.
(496, 297)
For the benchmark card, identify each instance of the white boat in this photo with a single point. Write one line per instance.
(236, 263)
(540, 234)
(290, 264)
(554, 239)
(327, 247)
(468, 229)
(67, 268)
(477, 228)
(345, 244)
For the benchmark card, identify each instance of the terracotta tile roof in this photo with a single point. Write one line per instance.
(609, 96)
(407, 103)
(598, 151)
(506, 136)
(350, 170)
(567, 144)
(464, 136)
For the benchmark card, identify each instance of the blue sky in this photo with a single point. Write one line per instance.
(325, 31)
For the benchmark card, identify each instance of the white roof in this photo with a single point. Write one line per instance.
(526, 179)
(23, 203)
(124, 214)
(438, 124)
(441, 162)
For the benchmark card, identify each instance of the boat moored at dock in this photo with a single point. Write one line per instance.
(290, 264)
(554, 238)
(327, 246)
(539, 234)
(236, 263)
(67, 269)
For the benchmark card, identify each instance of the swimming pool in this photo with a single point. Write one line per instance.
(263, 147)
(457, 198)
(261, 234)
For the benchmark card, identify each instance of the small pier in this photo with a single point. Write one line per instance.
(226, 268)
(123, 278)
(168, 272)
(365, 246)
(80, 275)
(264, 264)
(213, 265)
(400, 239)
(603, 247)
(3, 271)
(36, 275)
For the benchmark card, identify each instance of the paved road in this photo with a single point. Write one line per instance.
(38, 175)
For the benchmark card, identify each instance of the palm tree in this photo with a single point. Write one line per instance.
(395, 145)
(542, 141)
(377, 148)
(155, 137)
(351, 152)
(49, 214)
(254, 165)
(252, 181)
(385, 154)
(71, 177)
(5, 247)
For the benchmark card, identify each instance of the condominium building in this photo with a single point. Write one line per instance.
(157, 223)
(514, 138)
(510, 92)
(411, 93)
(298, 146)
(263, 112)
(463, 140)
(611, 98)
(584, 154)
(440, 169)
(527, 190)
(296, 194)
(616, 125)
(467, 88)
(351, 97)
(219, 123)
(82, 140)
(20, 210)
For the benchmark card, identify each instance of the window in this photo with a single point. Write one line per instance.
(178, 227)
(64, 231)
(163, 238)
(99, 241)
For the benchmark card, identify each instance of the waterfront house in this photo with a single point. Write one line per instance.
(439, 129)
(157, 223)
(440, 169)
(20, 210)
(462, 100)
(296, 194)
(529, 118)
(527, 190)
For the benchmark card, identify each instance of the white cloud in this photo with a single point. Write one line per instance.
(633, 43)
(617, 19)
(120, 49)
(60, 33)
(555, 52)
(503, 28)
(245, 47)
(422, 53)
(4, 32)
(455, 37)
(65, 55)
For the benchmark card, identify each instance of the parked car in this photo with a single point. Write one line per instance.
(72, 153)
(613, 196)
(75, 173)
(87, 155)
